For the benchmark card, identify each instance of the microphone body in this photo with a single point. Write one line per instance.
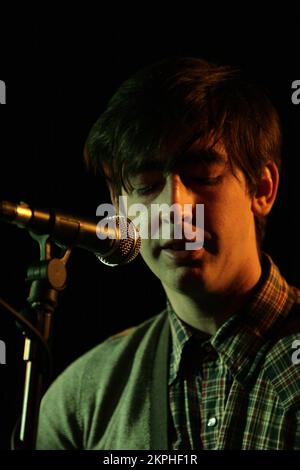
(114, 240)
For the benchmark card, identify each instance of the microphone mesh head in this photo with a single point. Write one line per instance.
(127, 246)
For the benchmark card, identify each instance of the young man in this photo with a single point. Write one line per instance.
(215, 369)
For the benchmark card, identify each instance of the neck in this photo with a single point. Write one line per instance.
(207, 315)
(208, 311)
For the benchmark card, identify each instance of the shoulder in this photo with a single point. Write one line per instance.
(114, 354)
(125, 342)
(92, 385)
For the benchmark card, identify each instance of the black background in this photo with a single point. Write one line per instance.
(58, 80)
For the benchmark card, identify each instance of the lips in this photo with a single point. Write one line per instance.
(176, 253)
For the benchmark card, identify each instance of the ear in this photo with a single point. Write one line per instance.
(263, 199)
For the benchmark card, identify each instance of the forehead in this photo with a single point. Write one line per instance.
(210, 153)
(193, 155)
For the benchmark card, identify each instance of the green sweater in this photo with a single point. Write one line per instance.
(114, 397)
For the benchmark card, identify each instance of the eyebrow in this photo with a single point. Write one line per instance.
(148, 166)
(200, 155)
(190, 157)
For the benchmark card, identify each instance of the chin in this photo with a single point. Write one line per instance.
(186, 280)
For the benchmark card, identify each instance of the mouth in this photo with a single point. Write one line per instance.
(181, 245)
(176, 250)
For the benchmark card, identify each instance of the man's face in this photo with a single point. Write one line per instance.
(229, 229)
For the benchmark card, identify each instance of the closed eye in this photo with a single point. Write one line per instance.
(211, 181)
(155, 187)
(146, 190)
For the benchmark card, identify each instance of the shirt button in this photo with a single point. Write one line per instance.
(212, 422)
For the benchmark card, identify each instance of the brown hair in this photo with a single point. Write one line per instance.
(164, 108)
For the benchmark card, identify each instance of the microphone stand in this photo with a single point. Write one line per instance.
(48, 277)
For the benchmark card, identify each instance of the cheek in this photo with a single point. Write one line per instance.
(149, 223)
(154, 221)
(229, 216)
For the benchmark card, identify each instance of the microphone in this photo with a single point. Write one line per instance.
(115, 240)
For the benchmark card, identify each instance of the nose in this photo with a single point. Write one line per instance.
(180, 197)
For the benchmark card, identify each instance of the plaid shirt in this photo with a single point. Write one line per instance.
(239, 389)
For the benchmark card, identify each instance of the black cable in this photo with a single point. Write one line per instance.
(30, 330)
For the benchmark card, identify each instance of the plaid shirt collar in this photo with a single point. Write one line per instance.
(242, 340)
